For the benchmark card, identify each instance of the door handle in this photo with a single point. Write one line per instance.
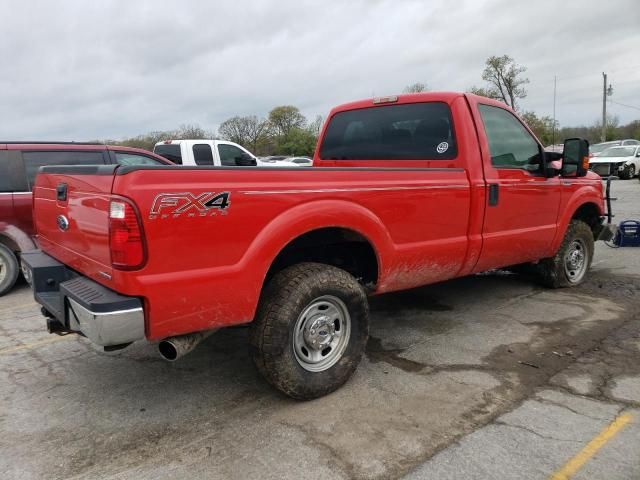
(61, 192)
(493, 194)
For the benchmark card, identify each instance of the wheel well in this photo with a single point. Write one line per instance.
(590, 214)
(340, 247)
(10, 244)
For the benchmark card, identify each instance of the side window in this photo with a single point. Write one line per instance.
(510, 144)
(5, 180)
(228, 154)
(123, 158)
(202, 154)
(34, 160)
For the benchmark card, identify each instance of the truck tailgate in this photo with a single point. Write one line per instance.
(71, 209)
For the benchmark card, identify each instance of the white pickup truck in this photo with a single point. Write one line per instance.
(205, 152)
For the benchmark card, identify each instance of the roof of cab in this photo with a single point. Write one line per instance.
(399, 99)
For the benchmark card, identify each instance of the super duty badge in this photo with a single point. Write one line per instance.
(175, 205)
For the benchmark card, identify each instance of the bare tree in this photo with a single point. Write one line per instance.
(247, 131)
(191, 131)
(504, 80)
(315, 126)
(416, 88)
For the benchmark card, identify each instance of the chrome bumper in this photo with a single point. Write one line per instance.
(81, 305)
(106, 328)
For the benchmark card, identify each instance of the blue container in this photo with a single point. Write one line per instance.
(628, 234)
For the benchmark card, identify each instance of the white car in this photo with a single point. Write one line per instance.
(218, 153)
(301, 161)
(282, 161)
(596, 149)
(621, 161)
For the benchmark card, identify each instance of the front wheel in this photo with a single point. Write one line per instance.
(569, 266)
(310, 331)
(629, 172)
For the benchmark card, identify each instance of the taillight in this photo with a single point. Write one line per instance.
(125, 236)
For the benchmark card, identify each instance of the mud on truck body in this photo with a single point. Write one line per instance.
(404, 191)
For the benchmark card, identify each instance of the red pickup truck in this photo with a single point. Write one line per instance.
(405, 191)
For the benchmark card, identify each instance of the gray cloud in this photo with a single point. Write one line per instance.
(80, 70)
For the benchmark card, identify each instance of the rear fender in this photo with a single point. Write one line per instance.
(16, 239)
(307, 217)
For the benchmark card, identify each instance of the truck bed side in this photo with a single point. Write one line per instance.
(214, 261)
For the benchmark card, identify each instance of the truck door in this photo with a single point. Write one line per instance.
(522, 204)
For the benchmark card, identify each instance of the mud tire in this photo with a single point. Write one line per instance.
(284, 299)
(552, 271)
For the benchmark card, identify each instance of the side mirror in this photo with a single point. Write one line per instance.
(245, 160)
(575, 157)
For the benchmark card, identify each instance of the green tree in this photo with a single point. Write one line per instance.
(299, 141)
(284, 118)
(504, 80)
(543, 127)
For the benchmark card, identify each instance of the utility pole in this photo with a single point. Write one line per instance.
(603, 135)
(553, 128)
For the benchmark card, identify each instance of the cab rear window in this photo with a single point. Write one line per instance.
(416, 131)
(170, 152)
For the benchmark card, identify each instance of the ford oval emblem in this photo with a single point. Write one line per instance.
(63, 223)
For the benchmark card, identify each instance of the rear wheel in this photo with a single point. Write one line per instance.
(570, 264)
(310, 331)
(8, 269)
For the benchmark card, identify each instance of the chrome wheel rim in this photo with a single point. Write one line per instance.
(321, 333)
(576, 261)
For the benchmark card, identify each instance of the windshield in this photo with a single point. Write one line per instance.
(619, 152)
(599, 147)
(170, 152)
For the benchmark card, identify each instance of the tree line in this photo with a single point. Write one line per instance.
(286, 131)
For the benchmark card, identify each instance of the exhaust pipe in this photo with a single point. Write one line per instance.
(173, 348)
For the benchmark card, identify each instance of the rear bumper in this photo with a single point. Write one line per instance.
(82, 305)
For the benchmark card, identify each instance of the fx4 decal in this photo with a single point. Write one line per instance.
(187, 204)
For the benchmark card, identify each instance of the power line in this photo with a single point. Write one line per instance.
(624, 105)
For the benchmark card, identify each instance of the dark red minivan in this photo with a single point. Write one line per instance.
(19, 163)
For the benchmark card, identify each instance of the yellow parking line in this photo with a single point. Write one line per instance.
(26, 346)
(572, 466)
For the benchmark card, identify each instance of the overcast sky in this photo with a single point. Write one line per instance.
(77, 70)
